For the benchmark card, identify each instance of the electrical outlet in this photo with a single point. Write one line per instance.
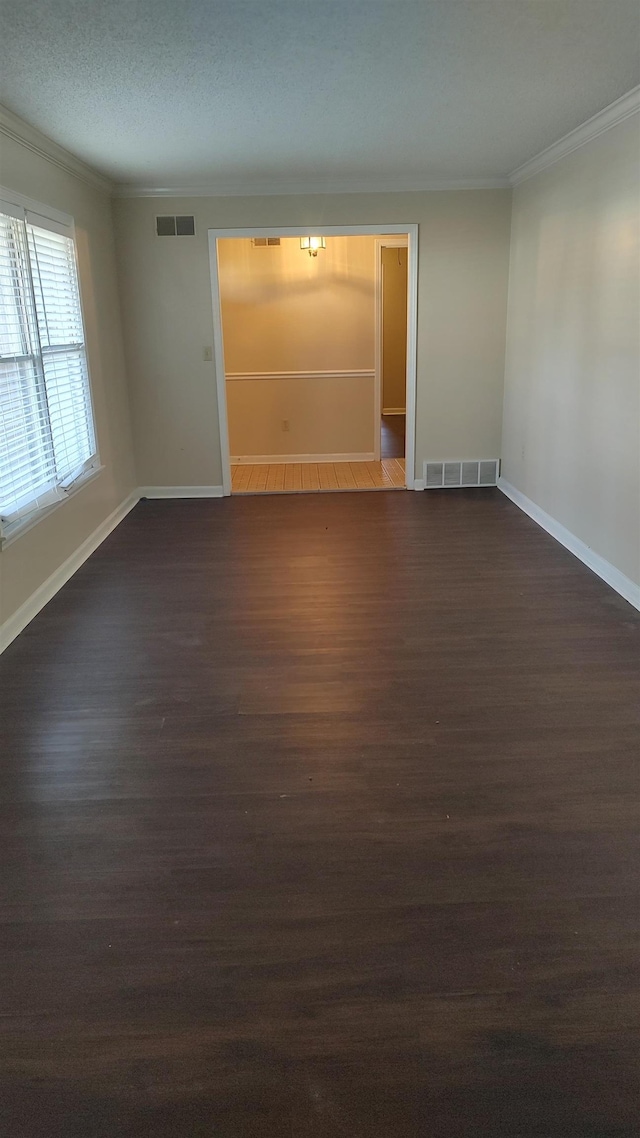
(285, 424)
(207, 355)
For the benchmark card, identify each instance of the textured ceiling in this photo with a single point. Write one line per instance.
(304, 94)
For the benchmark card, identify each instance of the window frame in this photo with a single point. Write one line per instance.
(18, 205)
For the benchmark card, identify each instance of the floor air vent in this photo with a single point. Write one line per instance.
(452, 475)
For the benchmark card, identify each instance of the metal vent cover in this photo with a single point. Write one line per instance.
(469, 476)
(432, 475)
(166, 226)
(171, 226)
(262, 242)
(452, 474)
(186, 226)
(468, 472)
(489, 471)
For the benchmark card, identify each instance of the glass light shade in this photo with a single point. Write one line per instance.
(312, 244)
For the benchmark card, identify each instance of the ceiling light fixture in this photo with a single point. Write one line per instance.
(312, 244)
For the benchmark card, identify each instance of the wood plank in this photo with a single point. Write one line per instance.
(289, 477)
(344, 476)
(310, 480)
(375, 471)
(386, 477)
(327, 476)
(240, 477)
(393, 469)
(399, 470)
(275, 477)
(362, 475)
(252, 483)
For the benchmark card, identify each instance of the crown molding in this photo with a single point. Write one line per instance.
(615, 113)
(339, 186)
(29, 136)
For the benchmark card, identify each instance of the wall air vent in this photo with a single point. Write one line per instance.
(170, 226)
(469, 474)
(433, 475)
(489, 472)
(262, 242)
(453, 475)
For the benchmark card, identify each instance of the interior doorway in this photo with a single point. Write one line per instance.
(287, 379)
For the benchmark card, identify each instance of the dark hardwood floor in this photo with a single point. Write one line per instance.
(319, 818)
(392, 432)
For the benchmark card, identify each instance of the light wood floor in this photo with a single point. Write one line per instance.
(287, 478)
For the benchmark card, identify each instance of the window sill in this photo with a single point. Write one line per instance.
(18, 529)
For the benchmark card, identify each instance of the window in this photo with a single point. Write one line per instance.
(47, 436)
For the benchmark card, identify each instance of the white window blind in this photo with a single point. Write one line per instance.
(47, 437)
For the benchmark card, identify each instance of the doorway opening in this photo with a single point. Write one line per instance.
(391, 343)
(300, 381)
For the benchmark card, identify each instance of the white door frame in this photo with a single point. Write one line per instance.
(410, 231)
(399, 241)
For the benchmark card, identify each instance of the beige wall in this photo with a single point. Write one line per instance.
(571, 435)
(394, 328)
(328, 415)
(285, 311)
(462, 288)
(34, 556)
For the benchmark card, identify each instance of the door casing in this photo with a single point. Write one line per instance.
(409, 235)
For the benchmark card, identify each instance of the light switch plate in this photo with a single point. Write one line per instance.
(207, 355)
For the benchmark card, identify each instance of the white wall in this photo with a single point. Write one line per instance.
(33, 556)
(571, 435)
(462, 290)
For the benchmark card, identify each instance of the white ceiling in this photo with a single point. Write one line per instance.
(313, 94)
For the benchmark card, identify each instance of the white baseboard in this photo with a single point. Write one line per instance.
(419, 484)
(48, 589)
(602, 568)
(180, 492)
(394, 410)
(266, 459)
